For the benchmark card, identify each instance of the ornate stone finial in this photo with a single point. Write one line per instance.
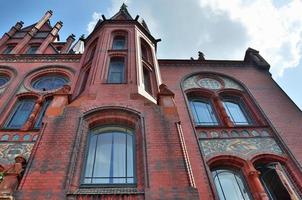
(123, 7)
(200, 56)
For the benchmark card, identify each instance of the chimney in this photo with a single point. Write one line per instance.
(68, 43)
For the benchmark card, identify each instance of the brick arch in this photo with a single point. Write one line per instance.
(109, 116)
(267, 157)
(212, 74)
(226, 161)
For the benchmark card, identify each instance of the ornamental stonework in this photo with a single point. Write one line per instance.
(9, 150)
(212, 83)
(245, 148)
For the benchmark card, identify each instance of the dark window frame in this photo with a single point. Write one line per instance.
(243, 108)
(17, 106)
(134, 151)
(52, 76)
(213, 111)
(233, 171)
(39, 119)
(110, 68)
(116, 39)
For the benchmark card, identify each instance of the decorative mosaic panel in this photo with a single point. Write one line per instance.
(9, 150)
(198, 81)
(245, 148)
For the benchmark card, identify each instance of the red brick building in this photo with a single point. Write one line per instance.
(105, 119)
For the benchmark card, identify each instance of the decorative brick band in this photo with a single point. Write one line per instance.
(185, 153)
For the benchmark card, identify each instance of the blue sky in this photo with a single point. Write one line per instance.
(221, 29)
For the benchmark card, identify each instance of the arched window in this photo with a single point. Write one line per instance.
(20, 114)
(42, 113)
(272, 182)
(116, 70)
(236, 111)
(110, 156)
(230, 185)
(119, 42)
(50, 82)
(203, 112)
(3, 79)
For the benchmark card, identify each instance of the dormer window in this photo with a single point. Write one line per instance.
(119, 42)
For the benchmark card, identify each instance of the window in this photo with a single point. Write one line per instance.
(203, 112)
(116, 70)
(119, 42)
(230, 185)
(236, 112)
(8, 49)
(144, 52)
(20, 114)
(32, 49)
(147, 80)
(110, 156)
(272, 182)
(49, 82)
(42, 113)
(3, 80)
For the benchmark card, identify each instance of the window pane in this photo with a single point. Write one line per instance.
(110, 158)
(3, 79)
(32, 49)
(147, 80)
(235, 113)
(50, 82)
(42, 113)
(203, 113)
(8, 49)
(118, 42)
(116, 70)
(21, 113)
(229, 185)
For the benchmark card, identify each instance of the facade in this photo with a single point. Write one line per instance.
(105, 119)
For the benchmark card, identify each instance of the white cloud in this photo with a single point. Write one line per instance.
(222, 29)
(274, 29)
(95, 17)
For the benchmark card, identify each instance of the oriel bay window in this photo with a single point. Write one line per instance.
(20, 113)
(230, 184)
(109, 157)
(116, 70)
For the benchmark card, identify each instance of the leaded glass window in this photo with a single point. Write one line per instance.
(203, 112)
(20, 114)
(236, 112)
(110, 157)
(50, 82)
(116, 70)
(230, 185)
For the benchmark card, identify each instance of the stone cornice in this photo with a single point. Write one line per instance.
(24, 58)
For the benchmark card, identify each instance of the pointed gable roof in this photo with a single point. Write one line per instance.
(122, 14)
